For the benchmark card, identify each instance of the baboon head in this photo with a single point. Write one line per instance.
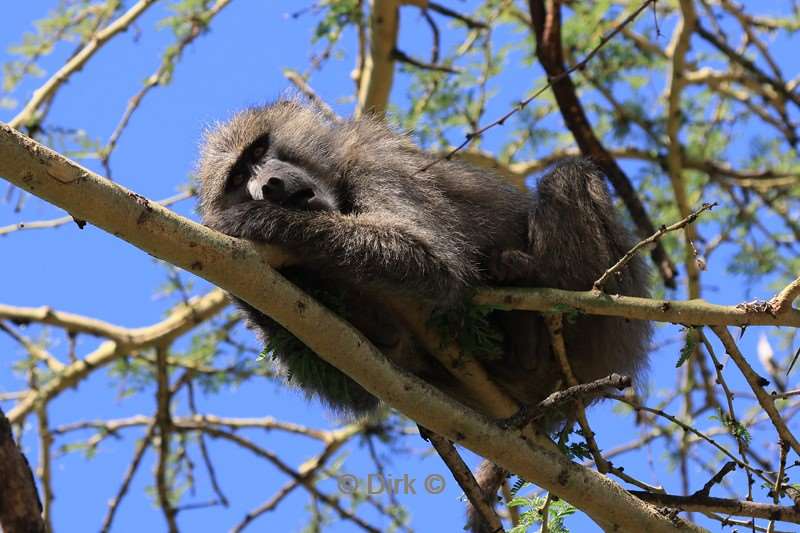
(278, 153)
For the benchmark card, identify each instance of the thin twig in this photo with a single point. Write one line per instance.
(76, 62)
(733, 425)
(201, 442)
(302, 85)
(778, 487)
(471, 136)
(690, 429)
(554, 327)
(716, 479)
(164, 423)
(757, 384)
(600, 283)
(36, 351)
(44, 469)
(401, 56)
(469, 22)
(301, 478)
(198, 23)
(558, 398)
(722, 505)
(127, 478)
(466, 480)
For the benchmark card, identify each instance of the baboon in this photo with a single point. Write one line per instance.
(369, 214)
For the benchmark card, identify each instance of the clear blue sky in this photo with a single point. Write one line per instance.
(238, 63)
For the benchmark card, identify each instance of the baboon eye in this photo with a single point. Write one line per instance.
(259, 148)
(237, 179)
(258, 152)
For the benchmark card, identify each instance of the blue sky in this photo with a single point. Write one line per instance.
(239, 63)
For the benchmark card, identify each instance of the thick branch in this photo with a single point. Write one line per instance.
(678, 49)
(61, 221)
(244, 269)
(20, 508)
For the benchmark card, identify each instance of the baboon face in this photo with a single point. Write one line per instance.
(278, 154)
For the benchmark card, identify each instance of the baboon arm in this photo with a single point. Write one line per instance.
(368, 247)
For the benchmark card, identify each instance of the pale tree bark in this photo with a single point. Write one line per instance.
(245, 270)
(378, 74)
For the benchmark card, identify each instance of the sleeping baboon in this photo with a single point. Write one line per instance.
(368, 216)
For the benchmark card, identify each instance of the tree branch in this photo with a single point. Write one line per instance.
(465, 480)
(20, 507)
(690, 312)
(706, 504)
(782, 302)
(243, 268)
(181, 321)
(378, 74)
(46, 91)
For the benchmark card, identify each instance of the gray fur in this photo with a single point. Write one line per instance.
(351, 201)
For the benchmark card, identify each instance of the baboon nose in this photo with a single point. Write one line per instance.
(273, 188)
